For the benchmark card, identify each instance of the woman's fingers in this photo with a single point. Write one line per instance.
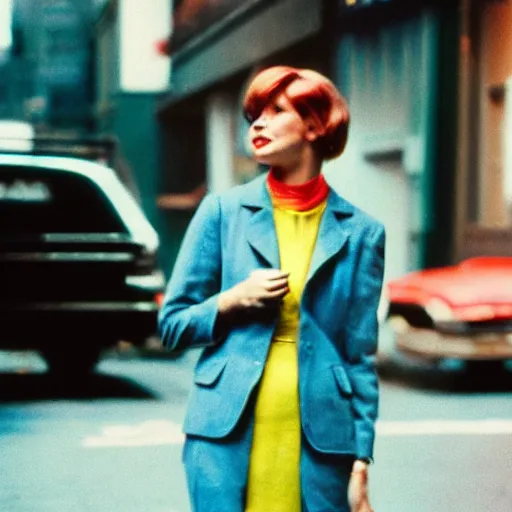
(279, 275)
(276, 284)
(269, 274)
(262, 286)
(272, 283)
(276, 294)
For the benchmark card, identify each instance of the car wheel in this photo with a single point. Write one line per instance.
(71, 361)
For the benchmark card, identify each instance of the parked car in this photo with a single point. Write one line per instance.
(78, 268)
(462, 311)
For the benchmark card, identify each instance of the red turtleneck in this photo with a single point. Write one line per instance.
(301, 197)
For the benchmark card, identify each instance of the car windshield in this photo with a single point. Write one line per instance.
(35, 201)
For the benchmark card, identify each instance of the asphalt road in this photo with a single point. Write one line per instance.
(113, 443)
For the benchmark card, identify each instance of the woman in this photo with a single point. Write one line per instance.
(279, 280)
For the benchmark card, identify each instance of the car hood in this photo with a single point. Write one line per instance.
(476, 289)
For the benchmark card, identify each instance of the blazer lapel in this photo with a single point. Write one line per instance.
(261, 233)
(332, 235)
(262, 236)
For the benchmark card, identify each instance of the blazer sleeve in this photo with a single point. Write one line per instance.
(189, 311)
(362, 340)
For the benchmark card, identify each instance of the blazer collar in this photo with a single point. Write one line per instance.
(261, 234)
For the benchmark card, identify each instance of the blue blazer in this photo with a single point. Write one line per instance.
(229, 236)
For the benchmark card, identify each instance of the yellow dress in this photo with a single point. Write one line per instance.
(274, 477)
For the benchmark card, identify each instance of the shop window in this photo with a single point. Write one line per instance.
(493, 187)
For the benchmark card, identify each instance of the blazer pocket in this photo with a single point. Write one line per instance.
(342, 379)
(209, 373)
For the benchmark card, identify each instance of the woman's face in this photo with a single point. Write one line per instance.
(278, 135)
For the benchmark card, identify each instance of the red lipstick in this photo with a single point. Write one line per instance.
(259, 142)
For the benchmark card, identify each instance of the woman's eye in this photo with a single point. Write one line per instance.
(278, 109)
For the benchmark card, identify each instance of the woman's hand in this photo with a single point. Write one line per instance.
(358, 488)
(263, 286)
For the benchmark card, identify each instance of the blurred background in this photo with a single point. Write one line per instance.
(158, 85)
(426, 84)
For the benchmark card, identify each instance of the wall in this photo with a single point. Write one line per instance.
(244, 42)
(142, 24)
(387, 72)
(137, 132)
(219, 112)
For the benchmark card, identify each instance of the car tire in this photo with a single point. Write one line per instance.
(484, 369)
(71, 362)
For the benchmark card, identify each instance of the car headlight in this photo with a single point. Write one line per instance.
(439, 310)
(399, 324)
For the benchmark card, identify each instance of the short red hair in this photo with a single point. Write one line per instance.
(312, 95)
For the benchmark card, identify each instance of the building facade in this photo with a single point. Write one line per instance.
(130, 75)
(49, 72)
(390, 60)
(428, 85)
(397, 63)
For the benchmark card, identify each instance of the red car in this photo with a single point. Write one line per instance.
(462, 311)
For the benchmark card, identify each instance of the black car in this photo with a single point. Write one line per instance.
(78, 266)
